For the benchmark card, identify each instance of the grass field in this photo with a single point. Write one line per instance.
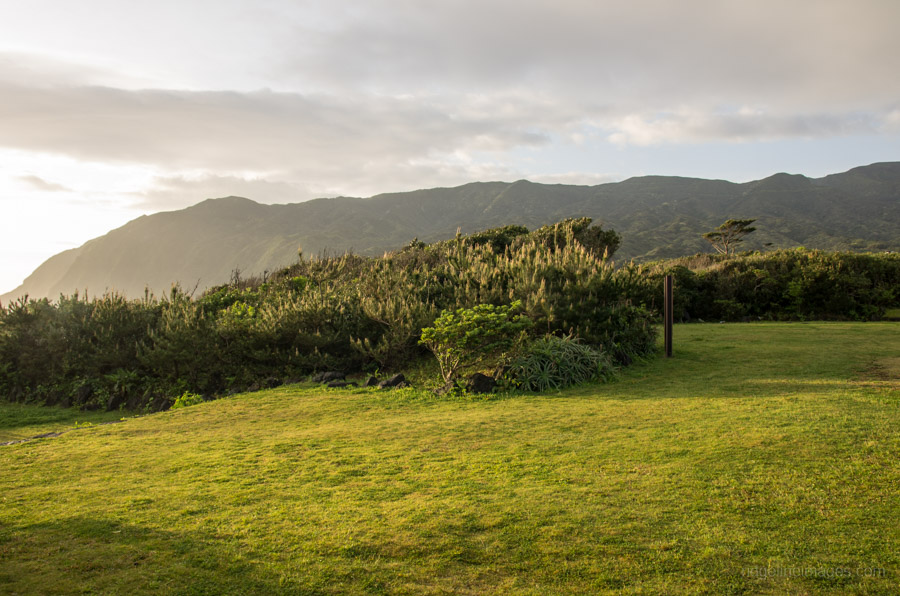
(761, 459)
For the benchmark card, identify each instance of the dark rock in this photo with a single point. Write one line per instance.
(338, 384)
(480, 383)
(446, 388)
(253, 387)
(397, 380)
(371, 382)
(325, 377)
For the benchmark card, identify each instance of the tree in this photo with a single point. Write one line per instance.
(726, 236)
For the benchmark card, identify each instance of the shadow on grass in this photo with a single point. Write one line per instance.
(14, 416)
(84, 555)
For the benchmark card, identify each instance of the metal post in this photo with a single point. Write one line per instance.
(669, 308)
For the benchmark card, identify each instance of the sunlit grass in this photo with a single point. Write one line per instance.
(757, 447)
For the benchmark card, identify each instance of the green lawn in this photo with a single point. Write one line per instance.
(21, 421)
(758, 449)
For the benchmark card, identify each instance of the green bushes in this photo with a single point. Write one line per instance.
(343, 312)
(187, 399)
(350, 312)
(553, 362)
(469, 336)
(780, 285)
(77, 352)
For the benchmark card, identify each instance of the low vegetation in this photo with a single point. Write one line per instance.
(783, 285)
(761, 459)
(347, 313)
(553, 362)
(353, 313)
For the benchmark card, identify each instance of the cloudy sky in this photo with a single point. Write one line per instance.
(112, 109)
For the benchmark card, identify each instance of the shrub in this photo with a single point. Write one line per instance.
(597, 241)
(345, 312)
(553, 362)
(187, 399)
(784, 284)
(469, 336)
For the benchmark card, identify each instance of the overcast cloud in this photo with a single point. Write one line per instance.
(161, 105)
(39, 183)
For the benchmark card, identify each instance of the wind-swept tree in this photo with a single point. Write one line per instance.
(726, 236)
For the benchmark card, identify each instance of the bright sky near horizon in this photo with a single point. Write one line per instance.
(110, 109)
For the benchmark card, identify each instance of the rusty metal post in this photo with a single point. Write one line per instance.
(668, 314)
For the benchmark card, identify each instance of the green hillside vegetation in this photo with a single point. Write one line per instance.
(761, 459)
(793, 284)
(347, 313)
(358, 314)
(657, 217)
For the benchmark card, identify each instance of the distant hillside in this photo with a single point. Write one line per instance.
(657, 217)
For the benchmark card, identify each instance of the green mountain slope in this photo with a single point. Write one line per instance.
(658, 216)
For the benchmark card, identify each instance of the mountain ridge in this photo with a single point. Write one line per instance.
(658, 217)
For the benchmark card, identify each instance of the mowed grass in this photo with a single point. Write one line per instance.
(761, 459)
(22, 421)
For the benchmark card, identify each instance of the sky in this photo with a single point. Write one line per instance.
(110, 109)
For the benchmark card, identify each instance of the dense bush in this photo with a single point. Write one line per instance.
(335, 312)
(350, 312)
(76, 352)
(793, 284)
(469, 336)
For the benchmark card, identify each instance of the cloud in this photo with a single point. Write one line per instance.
(178, 191)
(745, 125)
(38, 183)
(172, 192)
(892, 120)
(260, 130)
(642, 53)
(267, 134)
(42, 71)
(388, 94)
(578, 178)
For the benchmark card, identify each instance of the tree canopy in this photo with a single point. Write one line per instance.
(726, 236)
